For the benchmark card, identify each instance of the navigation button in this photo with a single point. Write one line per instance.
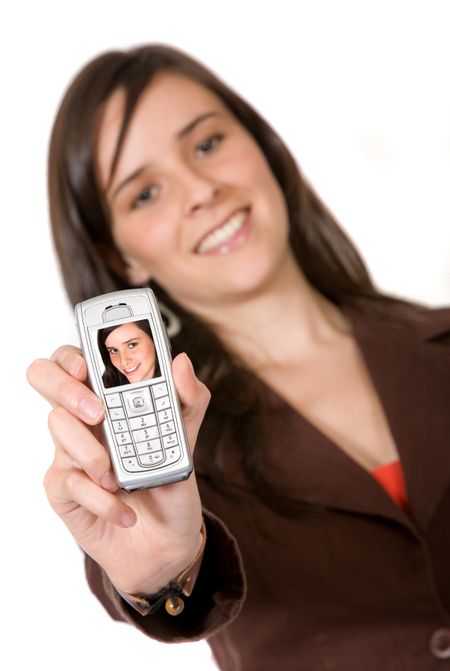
(138, 401)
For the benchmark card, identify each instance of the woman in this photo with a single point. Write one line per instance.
(321, 389)
(128, 353)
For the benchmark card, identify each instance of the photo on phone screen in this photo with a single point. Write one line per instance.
(128, 353)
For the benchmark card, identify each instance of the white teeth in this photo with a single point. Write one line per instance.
(130, 370)
(222, 234)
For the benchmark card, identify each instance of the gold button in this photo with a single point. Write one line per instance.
(174, 605)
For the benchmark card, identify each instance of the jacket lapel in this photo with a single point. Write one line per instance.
(409, 367)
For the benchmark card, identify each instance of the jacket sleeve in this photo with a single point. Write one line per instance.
(216, 600)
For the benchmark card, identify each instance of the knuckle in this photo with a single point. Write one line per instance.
(96, 464)
(207, 393)
(106, 508)
(204, 394)
(59, 353)
(48, 479)
(55, 419)
(69, 358)
(73, 481)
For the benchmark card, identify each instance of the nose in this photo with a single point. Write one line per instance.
(201, 190)
(124, 358)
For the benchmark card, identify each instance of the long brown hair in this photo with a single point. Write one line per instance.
(91, 264)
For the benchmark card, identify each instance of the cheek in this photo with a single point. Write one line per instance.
(252, 169)
(146, 238)
(270, 190)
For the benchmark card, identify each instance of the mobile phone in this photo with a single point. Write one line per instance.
(127, 352)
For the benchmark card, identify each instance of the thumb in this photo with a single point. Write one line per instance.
(194, 395)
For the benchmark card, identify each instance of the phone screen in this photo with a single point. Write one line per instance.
(126, 353)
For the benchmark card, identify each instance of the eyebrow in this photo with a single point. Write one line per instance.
(193, 124)
(125, 342)
(180, 135)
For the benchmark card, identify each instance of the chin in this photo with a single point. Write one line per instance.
(252, 277)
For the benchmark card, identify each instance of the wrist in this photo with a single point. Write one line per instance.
(172, 591)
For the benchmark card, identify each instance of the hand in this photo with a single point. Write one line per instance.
(141, 539)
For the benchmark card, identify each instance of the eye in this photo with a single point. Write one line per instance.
(132, 345)
(208, 144)
(112, 351)
(145, 196)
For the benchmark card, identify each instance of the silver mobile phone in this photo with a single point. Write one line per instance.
(127, 353)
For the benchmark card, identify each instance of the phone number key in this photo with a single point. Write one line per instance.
(148, 446)
(127, 451)
(170, 441)
(123, 438)
(131, 465)
(167, 428)
(142, 422)
(153, 459)
(120, 426)
(173, 454)
(165, 415)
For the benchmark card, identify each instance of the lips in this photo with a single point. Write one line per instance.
(222, 237)
(130, 371)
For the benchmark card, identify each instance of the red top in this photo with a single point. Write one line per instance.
(391, 478)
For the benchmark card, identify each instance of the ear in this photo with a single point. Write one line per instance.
(126, 267)
(135, 273)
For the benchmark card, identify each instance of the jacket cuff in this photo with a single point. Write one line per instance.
(215, 601)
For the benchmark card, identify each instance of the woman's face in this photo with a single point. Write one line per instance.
(193, 202)
(132, 352)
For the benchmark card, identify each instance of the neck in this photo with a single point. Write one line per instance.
(280, 324)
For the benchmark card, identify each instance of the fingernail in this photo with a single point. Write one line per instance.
(188, 361)
(90, 409)
(108, 481)
(128, 519)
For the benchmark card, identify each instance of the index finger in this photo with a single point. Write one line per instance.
(56, 380)
(70, 359)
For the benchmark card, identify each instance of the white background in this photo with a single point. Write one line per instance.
(359, 90)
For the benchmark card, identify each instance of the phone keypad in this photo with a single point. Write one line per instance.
(142, 422)
(113, 401)
(153, 459)
(123, 438)
(166, 428)
(116, 413)
(162, 403)
(126, 450)
(144, 427)
(120, 426)
(170, 441)
(165, 415)
(149, 446)
(146, 434)
(138, 401)
(131, 464)
(173, 454)
(159, 390)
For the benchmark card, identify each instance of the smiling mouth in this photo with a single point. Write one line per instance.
(130, 371)
(223, 234)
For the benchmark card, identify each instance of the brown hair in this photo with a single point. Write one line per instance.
(85, 246)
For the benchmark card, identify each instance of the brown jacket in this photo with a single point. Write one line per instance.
(361, 586)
